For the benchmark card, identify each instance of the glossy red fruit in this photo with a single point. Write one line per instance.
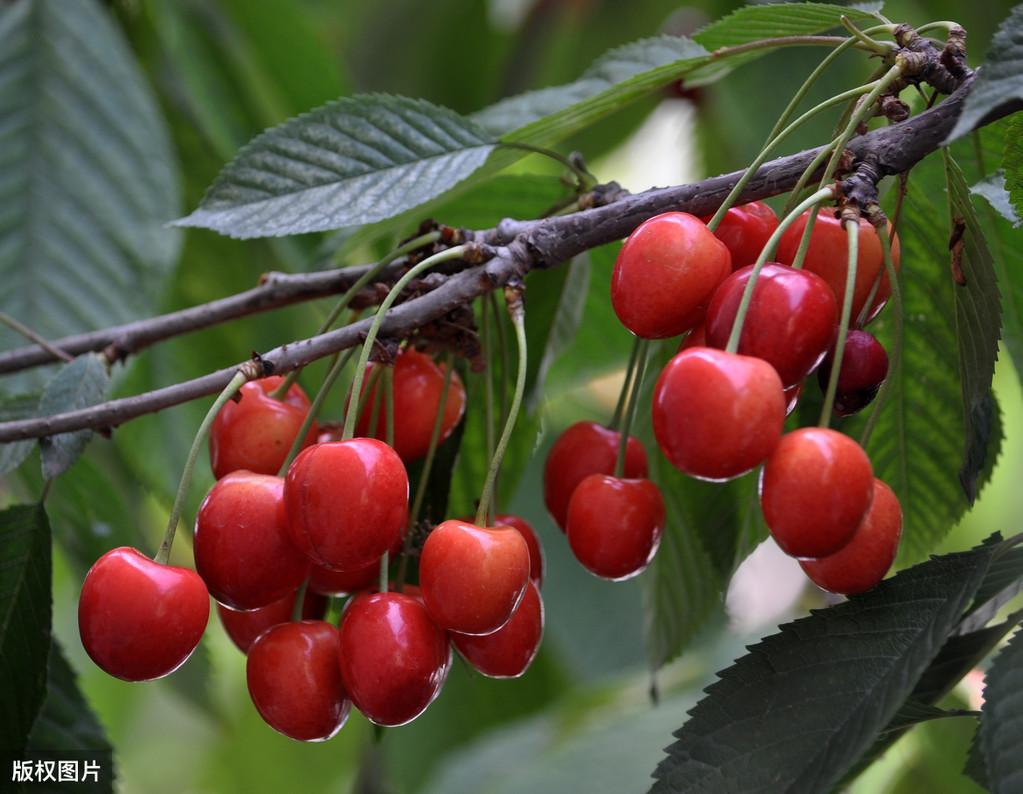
(717, 415)
(256, 432)
(244, 627)
(536, 561)
(242, 549)
(864, 368)
(615, 525)
(418, 383)
(294, 678)
(814, 490)
(340, 583)
(138, 619)
(472, 578)
(791, 321)
(828, 257)
(665, 272)
(695, 338)
(864, 560)
(585, 448)
(347, 502)
(745, 230)
(508, 652)
(394, 659)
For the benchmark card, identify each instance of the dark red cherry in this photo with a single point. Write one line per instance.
(864, 368)
(745, 230)
(508, 652)
(695, 338)
(244, 627)
(536, 562)
(340, 583)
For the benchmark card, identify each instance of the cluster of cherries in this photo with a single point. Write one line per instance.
(341, 506)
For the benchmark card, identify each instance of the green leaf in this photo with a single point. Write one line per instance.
(913, 712)
(1003, 582)
(352, 161)
(994, 190)
(803, 705)
(1001, 726)
(1012, 173)
(19, 406)
(79, 384)
(25, 611)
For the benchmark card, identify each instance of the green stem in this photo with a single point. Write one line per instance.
(852, 229)
(385, 564)
(389, 402)
(623, 395)
(431, 450)
(372, 393)
(881, 48)
(805, 177)
(630, 414)
(945, 24)
(895, 356)
(585, 179)
(489, 431)
(503, 355)
(299, 603)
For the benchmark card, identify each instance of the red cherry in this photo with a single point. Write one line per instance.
(244, 627)
(532, 541)
(745, 230)
(347, 502)
(814, 491)
(340, 583)
(864, 368)
(615, 525)
(695, 338)
(256, 432)
(138, 619)
(394, 659)
(828, 257)
(242, 549)
(508, 652)
(418, 383)
(864, 560)
(472, 578)
(665, 272)
(717, 415)
(585, 448)
(790, 323)
(294, 679)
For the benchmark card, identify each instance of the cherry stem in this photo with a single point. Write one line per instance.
(298, 604)
(772, 242)
(503, 354)
(20, 328)
(881, 48)
(584, 179)
(240, 378)
(852, 229)
(630, 413)
(371, 393)
(431, 450)
(515, 308)
(489, 429)
(623, 395)
(389, 403)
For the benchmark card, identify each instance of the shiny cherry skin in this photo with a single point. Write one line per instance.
(790, 323)
(864, 560)
(138, 619)
(340, 583)
(583, 449)
(717, 415)
(828, 257)
(814, 491)
(864, 368)
(745, 230)
(665, 272)
(536, 557)
(418, 383)
(242, 548)
(294, 677)
(347, 502)
(394, 659)
(472, 577)
(244, 627)
(508, 652)
(256, 432)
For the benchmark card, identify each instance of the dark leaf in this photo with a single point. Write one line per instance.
(1003, 581)
(1009, 201)
(913, 712)
(993, 190)
(81, 383)
(1001, 726)
(20, 406)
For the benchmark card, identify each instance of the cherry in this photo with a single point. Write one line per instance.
(472, 578)
(256, 432)
(585, 448)
(717, 415)
(695, 338)
(340, 583)
(864, 560)
(615, 525)
(828, 257)
(665, 273)
(508, 652)
(745, 230)
(138, 619)
(394, 659)
(532, 541)
(242, 549)
(814, 491)
(347, 502)
(294, 679)
(790, 323)
(244, 627)
(864, 368)
(418, 383)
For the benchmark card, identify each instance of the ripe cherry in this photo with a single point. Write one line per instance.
(695, 338)
(294, 678)
(347, 502)
(256, 432)
(864, 560)
(242, 549)
(745, 230)
(615, 525)
(508, 652)
(814, 490)
(418, 383)
(341, 583)
(585, 448)
(790, 323)
(394, 659)
(525, 529)
(864, 368)
(472, 578)
(244, 627)
(717, 415)
(666, 273)
(138, 619)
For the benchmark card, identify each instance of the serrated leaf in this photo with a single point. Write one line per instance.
(20, 406)
(81, 383)
(975, 768)
(1012, 172)
(1003, 582)
(25, 611)
(914, 712)
(994, 191)
(1001, 725)
(803, 705)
